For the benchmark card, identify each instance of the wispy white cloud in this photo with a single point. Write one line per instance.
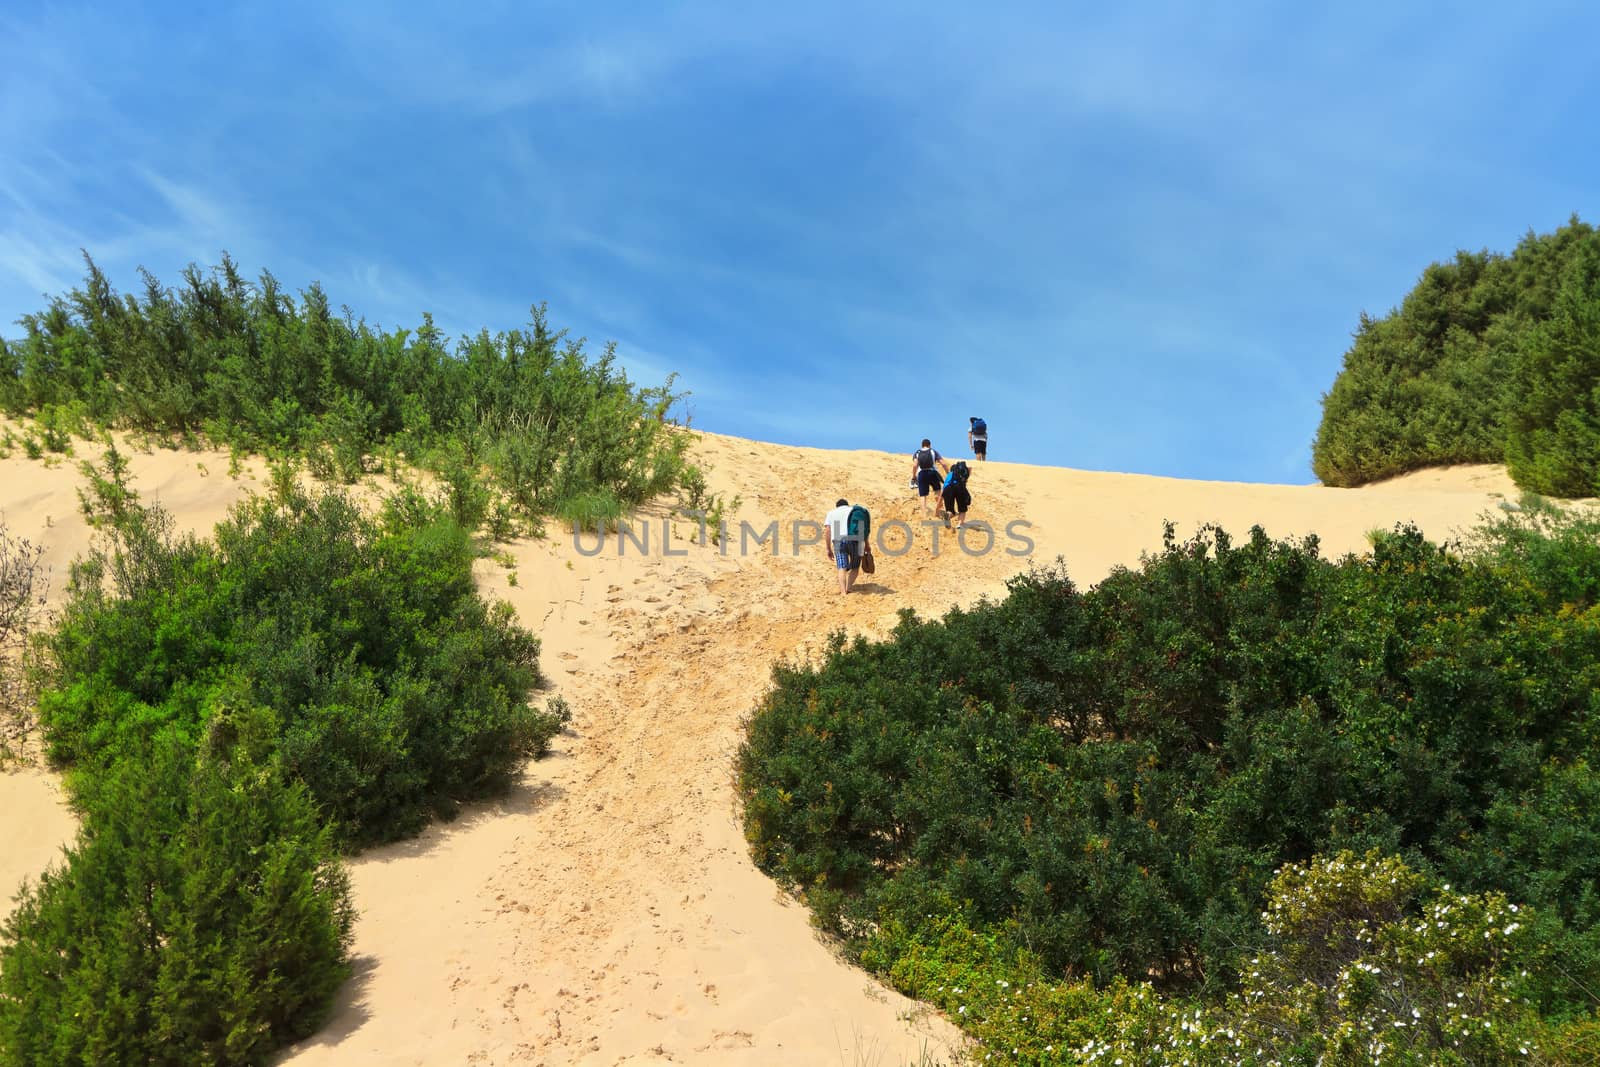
(474, 64)
(1052, 211)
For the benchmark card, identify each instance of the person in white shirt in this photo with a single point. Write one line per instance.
(844, 549)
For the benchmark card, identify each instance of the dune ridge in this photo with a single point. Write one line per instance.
(605, 912)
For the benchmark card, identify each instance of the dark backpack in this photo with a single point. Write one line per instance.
(958, 472)
(979, 426)
(859, 524)
(925, 458)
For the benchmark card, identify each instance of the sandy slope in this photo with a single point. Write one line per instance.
(605, 912)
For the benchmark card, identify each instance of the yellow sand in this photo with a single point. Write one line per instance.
(606, 912)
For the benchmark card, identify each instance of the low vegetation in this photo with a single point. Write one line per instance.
(398, 691)
(232, 714)
(1205, 811)
(23, 582)
(201, 917)
(520, 424)
(1490, 358)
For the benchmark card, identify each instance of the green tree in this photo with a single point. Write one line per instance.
(201, 917)
(1483, 361)
(1553, 423)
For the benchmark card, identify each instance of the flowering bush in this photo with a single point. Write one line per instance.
(1364, 964)
(1363, 968)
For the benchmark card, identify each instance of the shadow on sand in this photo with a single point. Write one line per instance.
(529, 794)
(872, 589)
(347, 1015)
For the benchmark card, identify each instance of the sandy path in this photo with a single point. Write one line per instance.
(606, 912)
(618, 919)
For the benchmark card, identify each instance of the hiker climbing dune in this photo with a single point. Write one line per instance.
(848, 531)
(927, 465)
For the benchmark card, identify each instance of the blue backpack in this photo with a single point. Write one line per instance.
(979, 426)
(859, 524)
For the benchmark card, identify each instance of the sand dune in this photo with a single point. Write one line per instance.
(606, 912)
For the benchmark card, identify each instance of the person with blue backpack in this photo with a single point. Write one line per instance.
(849, 535)
(978, 438)
(955, 498)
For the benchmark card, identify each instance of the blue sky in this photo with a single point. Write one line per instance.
(1132, 239)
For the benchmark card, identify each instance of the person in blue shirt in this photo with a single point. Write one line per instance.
(955, 497)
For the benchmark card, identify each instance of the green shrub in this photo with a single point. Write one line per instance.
(465, 492)
(1112, 777)
(400, 691)
(1550, 551)
(57, 425)
(595, 511)
(693, 488)
(1363, 963)
(254, 367)
(201, 917)
(1552, 410)
(1002, 996)
(1359, 970)
(1489, 358)
(502, 522)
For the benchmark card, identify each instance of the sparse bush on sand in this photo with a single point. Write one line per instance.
(527, 414)
(23, 583)
(596, 512)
